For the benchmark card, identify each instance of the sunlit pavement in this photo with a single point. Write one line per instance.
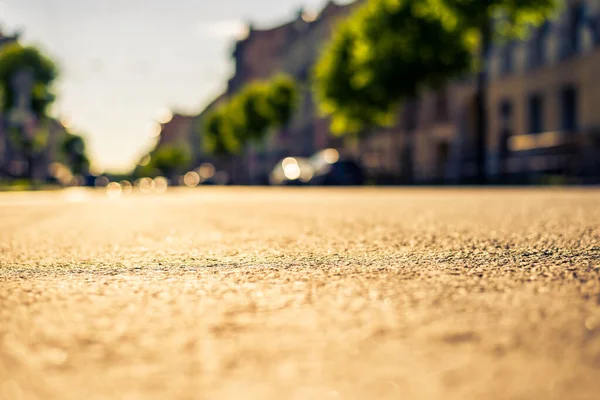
(238, 293)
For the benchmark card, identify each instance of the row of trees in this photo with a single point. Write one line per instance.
(246, 118)
(251, 114)
(27, 78)
(383, 55)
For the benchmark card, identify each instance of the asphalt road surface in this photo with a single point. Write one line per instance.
(239, 293)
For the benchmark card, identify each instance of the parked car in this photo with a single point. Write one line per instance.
(292, 171)
(339, 173)
(325, 168)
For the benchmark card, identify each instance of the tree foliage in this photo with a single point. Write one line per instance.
(389, 50)
(249, 115)
(220, 136)
(383, 54)
(486, 22)
(74, 151)
(170, 160)
(281, 100)
(14, 58)
(506, 19)
(30, 145)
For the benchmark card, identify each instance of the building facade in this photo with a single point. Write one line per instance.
(544, 100)
(542, 105)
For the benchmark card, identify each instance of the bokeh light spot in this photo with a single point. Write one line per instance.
(222, 178)
(101, 182)
(126, 187)
(191, 179)
(160, 184)
(163, 115)
(145, 185)
(113, 190)
(289, 161)
(206, 171)
(154, 129)
(306, 174)
(331, 156)
(291, 171)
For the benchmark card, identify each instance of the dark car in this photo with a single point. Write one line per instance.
(325, 168)
(340, 173)
(331, 169)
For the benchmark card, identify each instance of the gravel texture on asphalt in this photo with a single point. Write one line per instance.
(240, 293)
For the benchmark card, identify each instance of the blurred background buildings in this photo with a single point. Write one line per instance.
(543, 107)
(542, 104)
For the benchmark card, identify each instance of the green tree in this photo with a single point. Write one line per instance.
(282, 96)
(74, 151)
(170, 160)
(251, 109)
(384, 54)
(145, 170)
(484, 22)
(219, 134)
(389, 50)
(14, 60)
(249, 115)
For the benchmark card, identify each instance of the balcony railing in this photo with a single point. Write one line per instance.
(539, 141)
(563, 152)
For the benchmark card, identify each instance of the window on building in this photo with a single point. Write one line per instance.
(536, 113)
(442, 112)
(569, 108)
(537, 51)
(505, 110)
(572, 42)
(442, 157)
(594, 23)
(410, 117)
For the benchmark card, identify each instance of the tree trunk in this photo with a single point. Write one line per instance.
(408, 158)
(481, 117)
(30, 157)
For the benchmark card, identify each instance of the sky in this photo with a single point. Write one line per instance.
(123, 62)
